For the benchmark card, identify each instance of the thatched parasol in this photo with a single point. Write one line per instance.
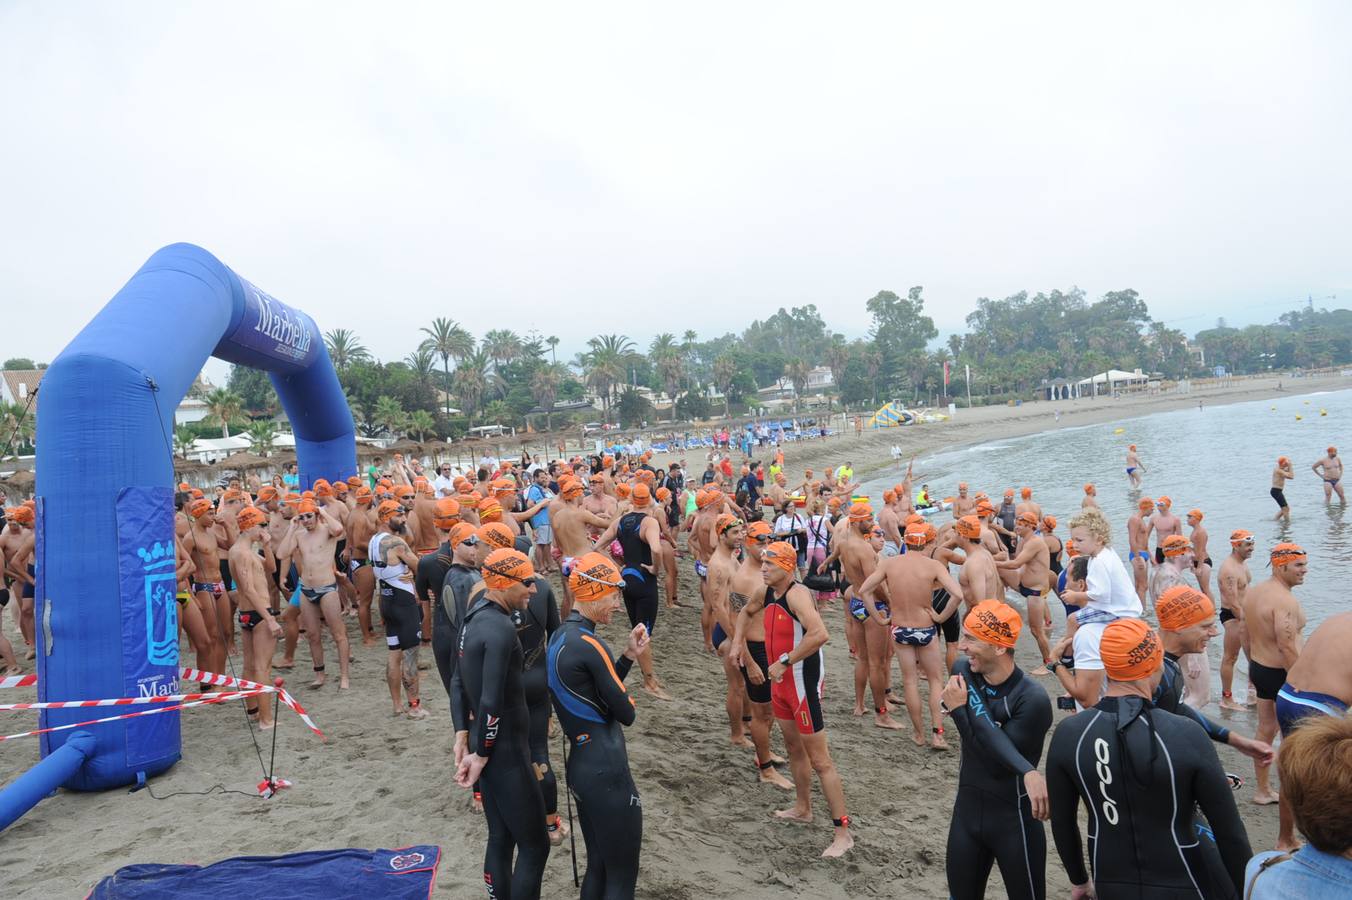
(21, 481)
(245, 460)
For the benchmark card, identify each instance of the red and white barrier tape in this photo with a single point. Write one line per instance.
(181, 701)
(220, 698)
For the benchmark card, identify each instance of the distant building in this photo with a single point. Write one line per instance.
(190, 410)
(19, 384)
(820, 379)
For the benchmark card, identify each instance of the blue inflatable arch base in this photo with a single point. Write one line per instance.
(107, 621)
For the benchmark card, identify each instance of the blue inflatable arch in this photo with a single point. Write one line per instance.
(107, 621)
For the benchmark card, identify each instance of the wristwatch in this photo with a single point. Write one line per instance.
(784, 659)
(1053, 665)
(943, 708)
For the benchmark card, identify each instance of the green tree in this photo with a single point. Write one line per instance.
(900, 331)
(502, 345)
(544, 387)
(254, 389)
(19, 364)
(223, 407)
(390, 415)
(796, 370)
(449, 341)
(633, 408)
(725, 373)
(344, 348)
(606, 363)
(669, 365)
(421, 423)
(553, 343)
(475, 381)
(183, 438)
(261, 434)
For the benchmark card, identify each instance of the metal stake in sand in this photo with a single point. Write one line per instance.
(568, 796)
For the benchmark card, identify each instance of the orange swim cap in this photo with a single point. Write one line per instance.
(505, 567)
(570, 488)
(861, 512)
(461, 532)
(985, 508)
(1175, 545)
(759, 530)
(622, 490)
(1145, 503)
(363, 494)
(1283, 461)
(594, 577)
(1009, 493)
(322, 488)
(641, 495)
(502, 485)
(704, 498)
(340, 488)
(919, 534)
(1286, 553)
(1026, 518)
(1333, 451)
(196, 509)
(833, 504)
(197, 494)
(249, 517)
(490, 510)
(1241, 536)
(404, 492)
(387, 510)
(969, 527)
(1130, 649)
(995, 623)
(354, 481)
(307, 507)
(24, 514)
(1165, 502)
(782, 554)
(914, 518)
(267, 492)
(446, 513)
(233, 495)
(1181, 606)
(663, 495)
(1026, 493)
(1089, 489)
(607, 461)
(1049, 523)
(1071, 552)
(184, 487)
(496, 534)
(889, 496)
(725, 522)
(1196, 514)
(1131, 446)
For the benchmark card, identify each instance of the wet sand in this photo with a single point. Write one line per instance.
(708, 826)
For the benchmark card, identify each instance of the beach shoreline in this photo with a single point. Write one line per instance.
(709, 830)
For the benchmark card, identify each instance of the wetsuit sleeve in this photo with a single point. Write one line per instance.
(1065, 803)
(422, 580)
(608, 681)
(1217, 801)
(1215, 731)
(459, 699)
(497, 656)
(1027, 723)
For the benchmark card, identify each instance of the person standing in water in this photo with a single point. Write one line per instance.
(1134, 467)
(1281, 474)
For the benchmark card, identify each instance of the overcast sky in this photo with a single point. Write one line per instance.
(584, 167)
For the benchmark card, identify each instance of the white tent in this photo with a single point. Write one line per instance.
(1111, 380)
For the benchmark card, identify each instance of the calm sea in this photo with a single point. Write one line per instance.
(1216, 459)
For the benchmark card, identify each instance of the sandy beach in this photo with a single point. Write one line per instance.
(708, 831)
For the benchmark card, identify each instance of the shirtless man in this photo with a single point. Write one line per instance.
(361, 526)
(1138, 544)
(978, 578)
(1275, 620)
(1280, 475)
(859, 562)
(1164, 523)
(1201, 559)
(1330, 469)
(778, 491)
(1179, 559)
(890, 522)
(394, 565)
(730, 534)
(701, 544)
(1028, 505)
(912, 579)
(1033, 563)
(1319, 684)
(311, 541)
(19, 561)
(570, 520)
(423, 515)
(203, 542)
(251, 583)
(1233, 581)
(1134, 467)
(962, 504)
(1090, 497)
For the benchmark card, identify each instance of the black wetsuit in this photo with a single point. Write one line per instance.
(1003, 729)
(640, 585)
(534, 625)
(592, 704)
(450, 612)
(1141, 771)
(428, 580)
(488, 684)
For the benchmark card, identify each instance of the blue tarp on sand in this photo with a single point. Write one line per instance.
(406, 874)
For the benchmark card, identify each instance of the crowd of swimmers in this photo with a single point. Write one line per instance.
(461, 564)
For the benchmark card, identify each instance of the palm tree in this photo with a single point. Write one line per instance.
(390, 415)
(544, 387)
(796, 370)
(344, 348)
(553, 343)
(475, 380)
(421, 423)
(688, 338)
(223, 406)
(837, 355)
(606, 364)
(16, 428)
(261, 435)
(725, 372)
(503, 346)
(183, 438)
(447, 339)
(666, 356)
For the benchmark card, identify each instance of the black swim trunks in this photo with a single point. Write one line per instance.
(1279, 497)
(1267, 681)
(952, 626)
(314, 595)
(249, 619)
(1226, 615)
(758, 693)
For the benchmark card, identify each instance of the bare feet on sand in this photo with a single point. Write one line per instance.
(417, 712)
(1229, 703)
(1265, 799)
(559, 832)
(742, 740)
(883, 720)
(839, 847)
(343, 683)
(1040, 671)
(654, 687)
(768, 775)
(794, 814)
(859, 709)
(285, 664)
(318, 682)
(937, 741)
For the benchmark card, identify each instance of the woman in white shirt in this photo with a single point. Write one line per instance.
(791, 526)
